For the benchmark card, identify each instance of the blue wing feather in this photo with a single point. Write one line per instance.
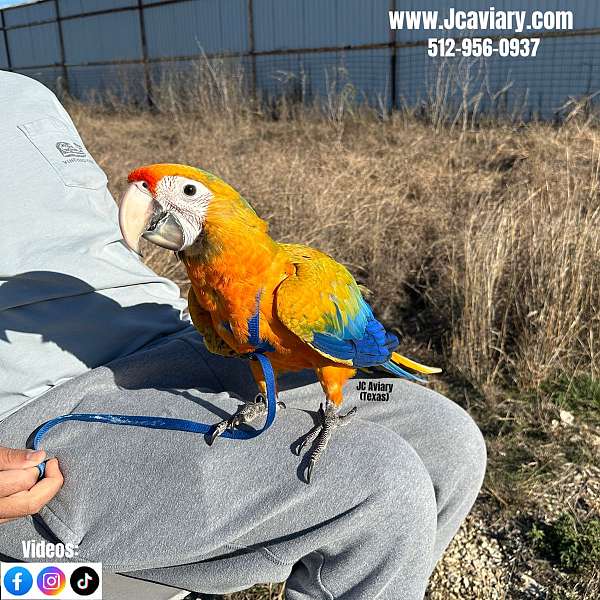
(393, 368)
(360, 338)
(321, 303)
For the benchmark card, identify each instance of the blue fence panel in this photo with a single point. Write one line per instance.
(3, 57)
(565, 66)
(49, 76)
(103, 38)
(125, 82)
(278, 24)
(78, 7)
(369, 72)
(288, 24)
(188, 28)
(335, 23)
(321, 73)
(29, 13)
(34, 46)
(360, 75)
(190, 72)
(164, 71)
(280, 75)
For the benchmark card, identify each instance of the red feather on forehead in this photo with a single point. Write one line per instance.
(147, 174)
(152, 174)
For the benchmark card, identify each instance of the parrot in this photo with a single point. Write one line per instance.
(312, 314)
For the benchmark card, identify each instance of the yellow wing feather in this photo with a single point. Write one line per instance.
(415, 366)
(307, 301)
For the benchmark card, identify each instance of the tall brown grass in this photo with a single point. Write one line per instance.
(479, 242)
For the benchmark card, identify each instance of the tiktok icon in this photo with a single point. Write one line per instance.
(84, 581)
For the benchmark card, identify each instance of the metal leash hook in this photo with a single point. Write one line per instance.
(172, 424)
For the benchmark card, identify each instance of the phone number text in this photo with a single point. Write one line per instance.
(476, 47)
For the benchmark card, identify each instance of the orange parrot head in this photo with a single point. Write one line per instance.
(171, 205)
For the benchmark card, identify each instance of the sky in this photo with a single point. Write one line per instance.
(4, 3)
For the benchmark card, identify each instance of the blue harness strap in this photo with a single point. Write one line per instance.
(184, 424)
(254, 331)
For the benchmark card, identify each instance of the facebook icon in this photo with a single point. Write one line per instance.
(17, 581)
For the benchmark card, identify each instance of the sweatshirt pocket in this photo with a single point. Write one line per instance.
(63, 149)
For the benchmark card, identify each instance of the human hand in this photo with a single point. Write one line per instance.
(21, 494)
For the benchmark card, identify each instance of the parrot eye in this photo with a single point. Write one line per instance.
(189, 190)
(144, 185)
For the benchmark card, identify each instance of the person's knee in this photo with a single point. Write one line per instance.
(460, 446)
(401, 489)
(468, 445)
(474, 447)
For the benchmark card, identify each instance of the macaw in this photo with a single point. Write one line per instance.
(311, 311)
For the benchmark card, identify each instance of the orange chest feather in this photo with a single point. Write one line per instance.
(228, 290)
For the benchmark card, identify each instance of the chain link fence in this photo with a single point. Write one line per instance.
(302, 49)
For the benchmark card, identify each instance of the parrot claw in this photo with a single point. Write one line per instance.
(218, 430)
(248, 412)
(330, 419)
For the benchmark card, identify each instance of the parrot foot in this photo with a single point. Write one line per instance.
(248, 412)
(330, 419)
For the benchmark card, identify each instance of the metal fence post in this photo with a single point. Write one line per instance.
(147, 78)
(6, 48)
(393, 62)
(61, 43)
(251, 49)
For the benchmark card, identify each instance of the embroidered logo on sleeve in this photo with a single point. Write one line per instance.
(70, 150)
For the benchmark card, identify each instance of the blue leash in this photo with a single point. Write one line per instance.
(184, 424)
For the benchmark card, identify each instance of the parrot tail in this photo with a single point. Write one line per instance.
(393, 366)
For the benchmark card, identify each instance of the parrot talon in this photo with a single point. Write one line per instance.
(247, 412)
(313, 433)
(343, 419)
(330, 419)
(218, 430)
(307, 438)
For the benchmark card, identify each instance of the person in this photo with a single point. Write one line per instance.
(86, 327)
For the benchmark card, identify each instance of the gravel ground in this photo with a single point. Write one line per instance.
(473, 566)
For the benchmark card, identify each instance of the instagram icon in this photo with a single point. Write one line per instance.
(51, 581)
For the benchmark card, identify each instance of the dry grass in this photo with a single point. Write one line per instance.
(479, 245)
(482, 244)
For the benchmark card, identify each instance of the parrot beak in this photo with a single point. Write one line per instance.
(142, 216)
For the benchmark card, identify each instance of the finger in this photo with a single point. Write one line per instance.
(53, 472)
(17, 480)
(13, 458)
(31, 501)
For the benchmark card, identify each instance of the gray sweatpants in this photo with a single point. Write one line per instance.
(387, 496)
(390, 492)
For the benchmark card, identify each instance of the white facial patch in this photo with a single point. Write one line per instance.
(187, 200)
